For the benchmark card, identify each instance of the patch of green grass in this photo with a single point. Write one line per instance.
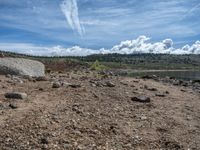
(97, 66)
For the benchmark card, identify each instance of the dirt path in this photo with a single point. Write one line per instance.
(97, 116)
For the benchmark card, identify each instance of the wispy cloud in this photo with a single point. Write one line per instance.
(190, 11)
(193, 9)
(70, 10)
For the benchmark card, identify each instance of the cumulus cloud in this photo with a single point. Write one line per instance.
(70, 10)
(136, 46)
(73, 51)
(30, 49)
(142, 45)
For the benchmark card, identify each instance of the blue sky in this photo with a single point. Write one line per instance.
(96, 23)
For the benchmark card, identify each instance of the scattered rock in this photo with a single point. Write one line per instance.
(8, 76)
(16, 95)
(147, 77)
(44, 141)
(17, 79)
(136, 81)
(110, 84)
(183, 90)
(143, 118)
(95, 95)
(171, 145)
(41, 78)
(1, 55)
(56, 85)
(41, 89)
(65, 84)
(29, 78)
(96, 83)
(160, 94)
(124, 83)
(185, 84)
(93, 85)
(167, 92)
(3, 106)
(13, 106)
(76, 108)
(196, 81)
(142, 99)
(14, 79)
(149, 88)
(75, 85)
(175, 82)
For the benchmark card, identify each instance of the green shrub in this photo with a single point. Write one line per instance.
(97, 66)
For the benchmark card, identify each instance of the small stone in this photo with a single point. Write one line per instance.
(142, 99)
(13, 106)
(16, 95)
(76, 109)
(42, 78)
(110, 84)
(183, 90)
(41, 89)
(44, 141)
(185, 84)
(65, 84)
(75, 85)
(80, 147)
(93, 85)
(143, 118)
(167, 92)
(17, 79)
(147, 77)
(160, 94)
(149, 88)
(8, 76)
(29, 78)
(56, 85)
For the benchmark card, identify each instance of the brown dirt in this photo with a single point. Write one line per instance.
(95, 116)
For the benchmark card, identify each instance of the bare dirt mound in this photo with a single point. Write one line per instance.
(89, 111)
(19, 66)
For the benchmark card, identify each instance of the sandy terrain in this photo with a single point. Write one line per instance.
(95, 115)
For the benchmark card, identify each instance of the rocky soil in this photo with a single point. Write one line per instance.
(86, 110)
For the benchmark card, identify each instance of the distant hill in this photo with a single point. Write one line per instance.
(120, 61)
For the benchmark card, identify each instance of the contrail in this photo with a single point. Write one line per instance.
(70, 10)
(191, 10)
(194, 8)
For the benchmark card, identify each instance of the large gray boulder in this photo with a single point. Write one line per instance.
(21, 67)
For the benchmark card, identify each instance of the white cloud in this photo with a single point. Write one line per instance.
(25, 48)
(139, 45)
(73, 51)
(70, 10)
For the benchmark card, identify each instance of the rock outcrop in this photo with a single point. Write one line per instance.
(21, 67)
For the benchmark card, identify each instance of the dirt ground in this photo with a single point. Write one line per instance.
(98, 116)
